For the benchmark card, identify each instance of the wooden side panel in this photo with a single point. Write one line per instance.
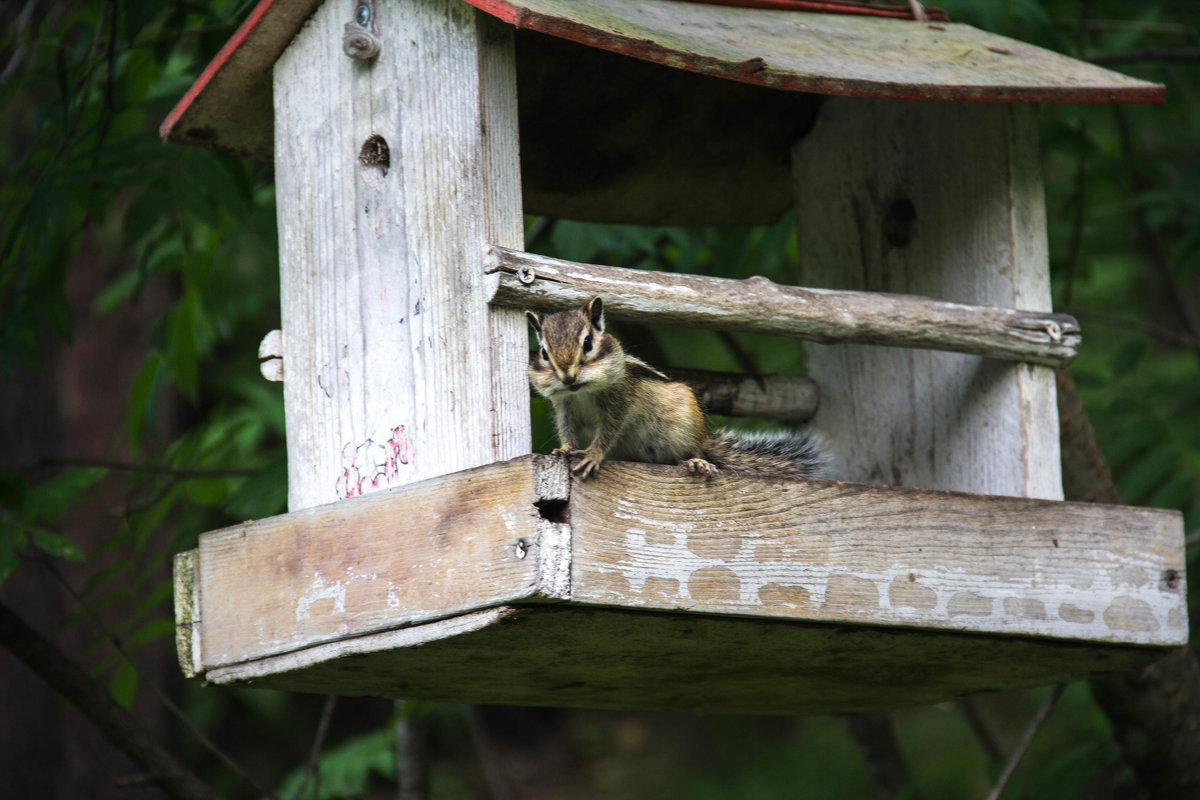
(451, 544)
(941, 200)
(649, 537)
(390, 345)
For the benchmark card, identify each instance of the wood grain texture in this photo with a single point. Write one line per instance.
(757, 305)
(451, 544)
(606, 658)
(648, 536)
(386, 322)
(503, 223)
(945, 201)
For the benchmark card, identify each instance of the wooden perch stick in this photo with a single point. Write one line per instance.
(777, 397)
(757, 305)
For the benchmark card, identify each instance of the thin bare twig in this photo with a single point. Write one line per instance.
(1075, 242)
(21, 31)
(148, 469)
(497, 784)
(170, 705)
(1167, 55)
(1121, 25)
(537, 230)
(314, 756)
(1152, 246)
(979, 727)
(1027, 737)
(1157, 332)
(876, 738)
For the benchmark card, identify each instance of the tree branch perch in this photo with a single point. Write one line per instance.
(757, 305)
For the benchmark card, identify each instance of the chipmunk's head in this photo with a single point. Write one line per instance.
(574, 352)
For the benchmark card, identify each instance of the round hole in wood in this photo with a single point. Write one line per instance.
(900, 222)
(374, 159)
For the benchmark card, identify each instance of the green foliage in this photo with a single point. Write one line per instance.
(345, 771)
(29, 516)
(86, 184)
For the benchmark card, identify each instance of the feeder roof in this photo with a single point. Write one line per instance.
(229, 108)
(608, 135)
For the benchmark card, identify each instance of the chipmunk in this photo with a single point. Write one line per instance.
(628, 410)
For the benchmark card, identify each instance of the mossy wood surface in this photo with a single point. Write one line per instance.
(608, 658)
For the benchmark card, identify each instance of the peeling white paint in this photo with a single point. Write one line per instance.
(658, 552)
(320, 590)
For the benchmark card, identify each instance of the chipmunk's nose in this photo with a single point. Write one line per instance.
(568, 378)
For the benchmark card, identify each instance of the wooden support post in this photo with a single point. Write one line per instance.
(942, 200)
(390, 175)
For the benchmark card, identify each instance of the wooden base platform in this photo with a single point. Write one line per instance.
(648, 588)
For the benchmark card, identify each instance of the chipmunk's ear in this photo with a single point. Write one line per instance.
(535, 319)
(595, 312)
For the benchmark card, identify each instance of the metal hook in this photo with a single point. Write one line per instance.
(360, 38)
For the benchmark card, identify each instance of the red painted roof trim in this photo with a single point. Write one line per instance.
(755, 71)
(834, 7)
(245, 60)
(217, 64)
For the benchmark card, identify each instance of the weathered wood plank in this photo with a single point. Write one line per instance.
(757, 305)
(415, 553)
(649, 536)
(386, 321)
(800, 596)
(945, 201)
(606, 658)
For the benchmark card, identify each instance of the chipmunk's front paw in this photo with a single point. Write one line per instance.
(698, 466)
(587, 465)
(565, 450)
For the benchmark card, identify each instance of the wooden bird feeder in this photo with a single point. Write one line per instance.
(428, 554)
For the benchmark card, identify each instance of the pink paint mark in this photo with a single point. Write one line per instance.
(371, 465)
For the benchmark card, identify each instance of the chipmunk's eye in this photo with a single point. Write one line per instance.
(545, 356)
(587, 343)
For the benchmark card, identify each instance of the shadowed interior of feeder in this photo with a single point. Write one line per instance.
(609, 138)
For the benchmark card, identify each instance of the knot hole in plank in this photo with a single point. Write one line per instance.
(374, 158)
(899, 222)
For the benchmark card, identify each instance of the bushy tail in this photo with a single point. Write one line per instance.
(788, 454)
